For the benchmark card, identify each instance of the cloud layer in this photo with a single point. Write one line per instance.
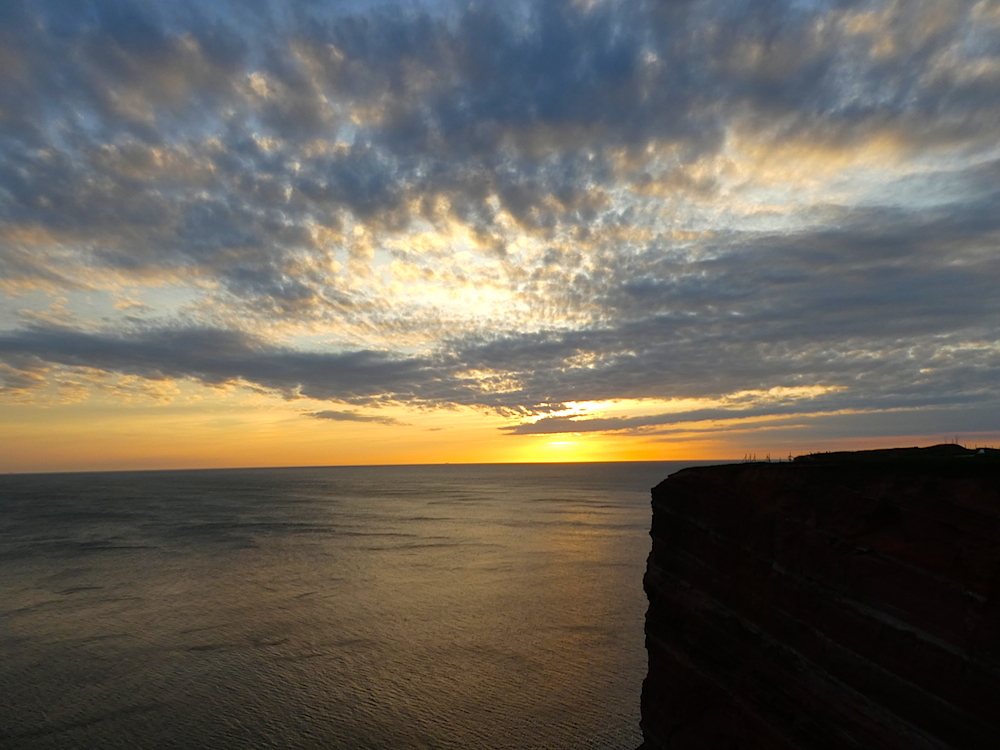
(507, 206)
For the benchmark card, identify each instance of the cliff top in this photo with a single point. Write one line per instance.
(947, 459)
(935, 453)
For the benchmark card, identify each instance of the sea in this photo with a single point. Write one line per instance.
(475, 607)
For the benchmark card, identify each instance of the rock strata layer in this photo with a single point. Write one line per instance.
(839, 601)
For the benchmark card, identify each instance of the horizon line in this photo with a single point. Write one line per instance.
(369, 466)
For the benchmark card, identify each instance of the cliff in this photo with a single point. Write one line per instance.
(840, 601)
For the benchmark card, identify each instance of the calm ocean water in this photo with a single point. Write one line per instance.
(467, 607)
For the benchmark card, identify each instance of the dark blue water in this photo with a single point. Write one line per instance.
(468, 607)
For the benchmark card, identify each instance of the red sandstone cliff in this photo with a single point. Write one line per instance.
(847, 601)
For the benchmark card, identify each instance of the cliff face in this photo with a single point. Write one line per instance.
(834, 603)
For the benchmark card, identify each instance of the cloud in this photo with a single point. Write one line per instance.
(507, 207)
(216, 356)
(208, 143)
(21, 375)
(353, 416)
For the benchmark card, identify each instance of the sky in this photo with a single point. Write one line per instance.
(326, 233)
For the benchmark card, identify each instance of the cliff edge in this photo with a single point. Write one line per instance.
(838, 601)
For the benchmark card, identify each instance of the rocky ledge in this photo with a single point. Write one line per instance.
(845, 600)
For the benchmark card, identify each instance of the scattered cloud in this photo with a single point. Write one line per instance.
(512, 207)
(353, 416)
